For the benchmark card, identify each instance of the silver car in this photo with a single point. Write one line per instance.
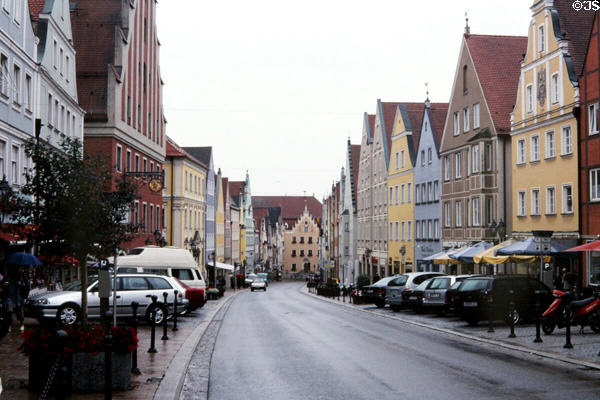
(409, 280)
(258, 284)
(65, 306)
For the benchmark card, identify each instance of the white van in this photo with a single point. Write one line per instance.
(170, 261)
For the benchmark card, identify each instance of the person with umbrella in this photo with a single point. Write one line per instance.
(17, 288)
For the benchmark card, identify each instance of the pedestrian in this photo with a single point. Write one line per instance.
(232, 282)
(17, 293)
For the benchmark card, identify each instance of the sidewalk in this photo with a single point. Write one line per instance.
(585, 351)
(155, 367)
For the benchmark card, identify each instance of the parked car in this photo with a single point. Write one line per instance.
(195, 296)
(407, 281)
(64, 307)
(414, 298)
(435, 296)
(249, 279)
(258, 284)
(377, 292)
(474, 295)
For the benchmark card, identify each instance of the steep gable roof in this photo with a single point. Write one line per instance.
(576, 27)
(201, 153)
(292, 207)
(497, 62)
(225, 185)
(234, 191)
(437, 118)
(387, 116)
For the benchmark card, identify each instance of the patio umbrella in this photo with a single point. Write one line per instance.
(22, 258)
(527, 247)
(466, 255)
(446, 259)
(591, 246)
(436, 255)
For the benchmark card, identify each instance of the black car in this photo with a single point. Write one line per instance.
(478, 295)
(376, 292)
(413, 298)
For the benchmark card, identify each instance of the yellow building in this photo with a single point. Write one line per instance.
(220, 219)
(544, 128)
(184, 200)
(400, 184)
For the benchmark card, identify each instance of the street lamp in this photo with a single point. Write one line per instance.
(402, 253)
(6, 194)
(498, 230)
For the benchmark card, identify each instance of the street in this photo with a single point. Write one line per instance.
(283, 344)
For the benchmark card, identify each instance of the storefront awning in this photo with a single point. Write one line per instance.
(446, 259)
(224, 266)
(591, 246)
(491, 255)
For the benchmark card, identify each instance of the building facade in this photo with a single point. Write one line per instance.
(119, 86)
(300, 253)
(348, 216)
(219, 218)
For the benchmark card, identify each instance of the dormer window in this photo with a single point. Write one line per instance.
(541, 42)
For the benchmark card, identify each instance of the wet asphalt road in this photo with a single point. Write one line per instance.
(283, 344)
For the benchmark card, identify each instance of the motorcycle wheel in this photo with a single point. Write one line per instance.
(595, 322)
(548, 325)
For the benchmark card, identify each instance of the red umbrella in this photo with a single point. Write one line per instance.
(591, 246)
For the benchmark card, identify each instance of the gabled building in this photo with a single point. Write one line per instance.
(589, 157)
(300, 252)
(544, 130)
(227, 205)
(427, 184)
(219, 218)
(400, 182)
(238, 241)
(61, 116)
(120, 88)
(185, 201)
(475, 146)
(364, 195)
(348, 216)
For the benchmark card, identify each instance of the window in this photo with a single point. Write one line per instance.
(489, 210)
(541, 38)
(15, 165)
(446, 168)
(458, 165)
(447, 216)
(391, 192)
(408, 192)
(567, 199)
(4, 74)
(436, 229)
(397, 160)
(423, 193)
(465, 89)
(402, 159)
(521, 151)
(535, 148)
(429, 229)
(17, 84)
(417, 230)
(152, 218)
(529, 98)
(417, 192)
(429, 156)
(403, 236)
(475, 206)
(119, 158)
(2, 166)
(475, 157)
(409, 231)
(392, 231)
(429, 191)
(49, 110)
(456, 123)
(67, 68)
(61, 61)
(567, 140)
(521, 204)
(466, 127)
(550, 145)
(458, 213)
(554, 88)
(401, 194)
(128, 161)
(550, 200)
(436, 192)
(422, 158)
(476, 122)
(535, 201)
(594, 184)
(144, 164)
(593, 118)
(137, 163)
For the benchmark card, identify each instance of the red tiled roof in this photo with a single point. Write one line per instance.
(497, 61)
(35, 9)
(173, 150)
(415, 114)
(225, 186)
(577, 27)
(389, 113)
(292, 207)
(437, 116)
(234, 191)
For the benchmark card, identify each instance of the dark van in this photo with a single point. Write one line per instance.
(475, 293)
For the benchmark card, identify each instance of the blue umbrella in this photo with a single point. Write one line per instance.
(527, 247)
(466, 255)
(22, 258)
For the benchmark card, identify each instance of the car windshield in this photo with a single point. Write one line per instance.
(399, 281)
(383, 281)
(455, 285)
(474, 284)
(423, 285)
(440, 283)
(75, 286)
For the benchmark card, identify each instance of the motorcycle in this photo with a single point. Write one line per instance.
(564, 310)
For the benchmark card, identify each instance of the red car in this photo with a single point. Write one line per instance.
(194, 295)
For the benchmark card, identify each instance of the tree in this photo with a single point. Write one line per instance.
(73, 205)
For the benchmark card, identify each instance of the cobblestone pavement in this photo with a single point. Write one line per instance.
(586, 345)
(14, 365)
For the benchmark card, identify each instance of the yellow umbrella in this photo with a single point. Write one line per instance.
(487, 256)
(445, 258)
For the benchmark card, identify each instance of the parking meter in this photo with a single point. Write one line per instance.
(103, 285)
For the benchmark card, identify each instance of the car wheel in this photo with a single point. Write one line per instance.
(265, 289)
(516, 317)
(161, 314)
(380, 303)
(68, 314)
(395, 307)
(548, 325)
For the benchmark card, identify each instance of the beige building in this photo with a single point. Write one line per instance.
(300, 251)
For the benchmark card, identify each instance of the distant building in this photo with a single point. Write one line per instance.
(300, 253)
(348, 216)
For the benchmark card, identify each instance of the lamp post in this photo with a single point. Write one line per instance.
(6, 194)
(402, 253)
(368, 259)
(498, 230)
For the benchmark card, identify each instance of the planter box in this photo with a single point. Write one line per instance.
(86, 371)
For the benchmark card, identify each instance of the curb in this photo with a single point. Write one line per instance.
(523, 349)
(172, 382)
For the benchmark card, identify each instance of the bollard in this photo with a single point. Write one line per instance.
(538, 316)
(164, 321)
(175, 310)
(567, 315)
(511, 304)
(490, 310)
(152, 349)
(134, 367)
(108, 358)
(344, 290)
(63, 373)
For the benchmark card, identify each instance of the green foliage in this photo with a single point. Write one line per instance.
(363, 280)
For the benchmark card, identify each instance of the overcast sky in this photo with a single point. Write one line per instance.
(277, 87)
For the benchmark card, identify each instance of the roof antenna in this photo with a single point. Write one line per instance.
(467, 29)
